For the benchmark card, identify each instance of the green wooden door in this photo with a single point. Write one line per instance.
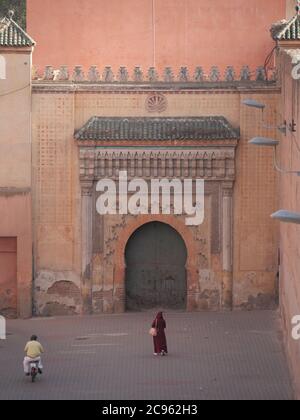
(155, 275)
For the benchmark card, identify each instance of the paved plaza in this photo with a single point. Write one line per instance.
(236, 355)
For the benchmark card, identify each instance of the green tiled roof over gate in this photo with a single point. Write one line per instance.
(12, 35)
(287, 30)
(134, 128)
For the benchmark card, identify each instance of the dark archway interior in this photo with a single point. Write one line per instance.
(156, 256)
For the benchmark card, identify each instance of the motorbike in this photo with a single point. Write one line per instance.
(34, 370)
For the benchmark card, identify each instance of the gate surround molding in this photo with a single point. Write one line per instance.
(210, 159)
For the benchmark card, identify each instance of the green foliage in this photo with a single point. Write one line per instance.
(19, 7)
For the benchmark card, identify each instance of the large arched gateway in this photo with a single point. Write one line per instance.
(206, 262)
(156, 258)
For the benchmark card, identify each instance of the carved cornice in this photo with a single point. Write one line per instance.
(183, 154)
(206, 163)
(125, 144)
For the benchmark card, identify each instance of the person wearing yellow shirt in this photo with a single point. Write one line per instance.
(33, 350)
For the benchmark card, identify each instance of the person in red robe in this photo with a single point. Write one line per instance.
(160, 341)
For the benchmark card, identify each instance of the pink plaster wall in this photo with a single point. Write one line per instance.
(8, 276)
(290, 233)
(15, 222)
(152, 32)
(290, 8)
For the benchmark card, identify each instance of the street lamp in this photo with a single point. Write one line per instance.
(267, 142)
(281, 215)
(252, 103)
(287, 216)
(264, 141)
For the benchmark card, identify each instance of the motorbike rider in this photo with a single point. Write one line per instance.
(33, 350)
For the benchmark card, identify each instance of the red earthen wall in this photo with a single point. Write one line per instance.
(152, 32)
(15, 222)
(290, 233)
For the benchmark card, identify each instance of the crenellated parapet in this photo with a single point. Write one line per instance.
(170, 75)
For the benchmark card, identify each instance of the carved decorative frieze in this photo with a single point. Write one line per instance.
(138, 76)
(245, 74)
(261, 74)
(184, 75)
(215, 74)
(108, 75)
(152, 76)
(230, 74)
(63, 74)
(78, 74)
(169, 75)
(49, 73)
(210, 163)
(199, 75)
(123, 75)
(93, 74)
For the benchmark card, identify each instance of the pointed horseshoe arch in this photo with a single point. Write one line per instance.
(155, 257)
(192, 272)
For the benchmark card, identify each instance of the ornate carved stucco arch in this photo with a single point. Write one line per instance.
(207, 157)
(191, 265)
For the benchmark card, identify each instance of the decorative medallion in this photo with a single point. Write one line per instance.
(156, 102)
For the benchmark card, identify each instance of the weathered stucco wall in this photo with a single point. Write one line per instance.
(15, 222)
(58, 111)
(56, 203)
(15, 170)
(149, 33)
(289, 200)
(255, 234)
(290, 8)
(15, 110)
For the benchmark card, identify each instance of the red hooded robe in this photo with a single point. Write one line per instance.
(160, 341)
